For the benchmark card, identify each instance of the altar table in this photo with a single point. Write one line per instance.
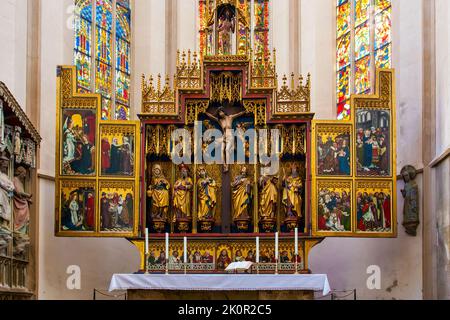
(220, 286)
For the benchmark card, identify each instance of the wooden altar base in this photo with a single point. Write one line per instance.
(219, 295)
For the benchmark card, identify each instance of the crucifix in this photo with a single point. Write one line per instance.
(226, 123)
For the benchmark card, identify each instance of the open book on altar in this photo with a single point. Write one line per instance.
(239, 266)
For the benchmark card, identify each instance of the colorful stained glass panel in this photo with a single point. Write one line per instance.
(122, 55)
(104, 45)
(361, 11)
(83, 8)
(83, 35)
(343, 52)
(83, 64)
(122, 88)
(103, 83)
(104, 16)
(382, 28)
(261, 14)
(122, 112)
(383, 57)
(106, 109)
(123, 22)
(343, 85)
(362, 41)
(344, 111)
(381, 5)
(362, 75)
(343, 19)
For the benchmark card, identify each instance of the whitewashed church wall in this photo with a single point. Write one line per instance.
(187, 24)
(441, 174)
(318, 44)
(442, 76)
(13, 32)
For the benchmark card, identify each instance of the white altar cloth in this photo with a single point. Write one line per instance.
(221, 282)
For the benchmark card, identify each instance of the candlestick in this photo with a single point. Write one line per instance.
(276, 253)
(276, 246)
(185, 254)
(257, 254)
(167, 253)
(296, 241)
(146, 241)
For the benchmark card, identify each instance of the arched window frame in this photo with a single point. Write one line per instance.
(364, 43)
(102, 53)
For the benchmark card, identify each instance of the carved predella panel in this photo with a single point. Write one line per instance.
(117, 207)
(373, 143)
(78, 134)
(334, 207)
(333, 145)
(374, 207)
(77, 206)
(118, 149)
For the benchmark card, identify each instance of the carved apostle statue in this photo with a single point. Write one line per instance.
(158, 192)
(6, 193)
(242, 195)
(22, 202)
(292, 194)
(182, 194)
(207, 195)
(411, 206)
(268, 197)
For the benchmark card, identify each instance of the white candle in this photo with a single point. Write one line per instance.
(296, 241)
(146, 240)
(257, 249)
(276, 246)
(185, 250)
(167, 246)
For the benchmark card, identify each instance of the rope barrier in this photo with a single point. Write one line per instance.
(109, 295)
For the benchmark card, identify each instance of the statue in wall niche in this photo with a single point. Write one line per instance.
(158, 192)
(268, 196)
(6, 193)
(207, 195)
(22, 202)
(411, 205)
(292, 194)
(226, 28)
(17, 142)
(242, 199)
(182, 194)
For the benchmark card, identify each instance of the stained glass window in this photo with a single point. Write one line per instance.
(363, 43)
(102, 53)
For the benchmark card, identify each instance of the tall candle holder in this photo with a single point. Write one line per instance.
(296, 264)
(167, 266)
(146, 263)
(276, 266)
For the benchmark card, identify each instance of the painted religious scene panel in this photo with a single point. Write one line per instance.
(333, 144)
(78, 138)
(374, 207)
(334, 207)
(77, 206)
(117, 204)
(373, 143)
(118, 146)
